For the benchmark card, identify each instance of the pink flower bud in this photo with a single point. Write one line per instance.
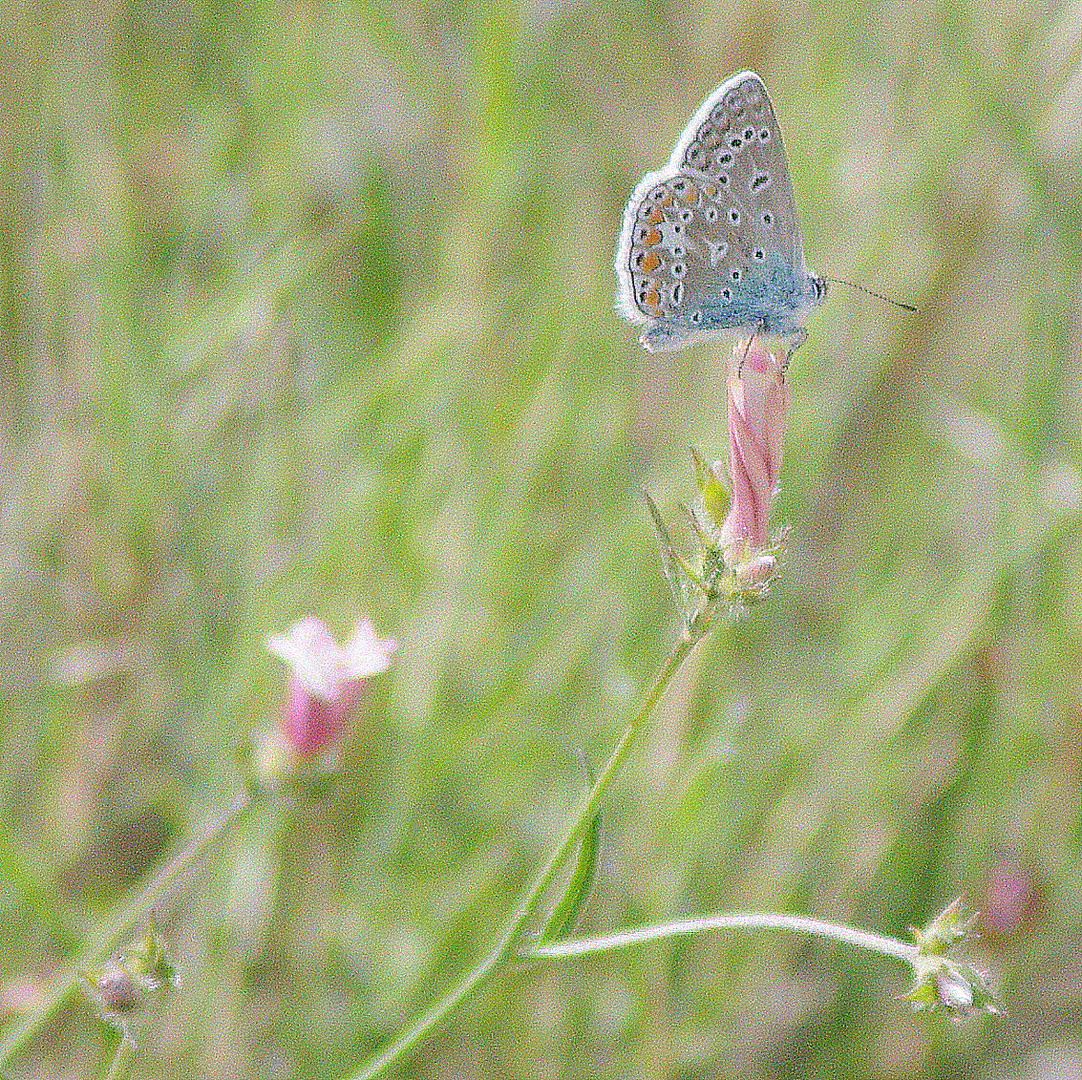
(758, 399)
(1011, 904)
(328, 681)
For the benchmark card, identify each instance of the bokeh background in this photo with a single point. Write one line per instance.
(308, 309)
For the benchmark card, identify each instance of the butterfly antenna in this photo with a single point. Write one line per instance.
(872, 292)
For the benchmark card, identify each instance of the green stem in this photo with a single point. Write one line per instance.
(121, 1064)
(100, 943)
(863, 939)
(504, 947)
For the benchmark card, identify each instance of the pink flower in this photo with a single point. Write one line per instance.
(758, 399)
(328, 680)
(1012, 901)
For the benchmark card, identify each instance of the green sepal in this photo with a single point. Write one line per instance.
(670, 567)
(941, 982)
(714, 494)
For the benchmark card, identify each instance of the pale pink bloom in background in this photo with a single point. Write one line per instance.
(328, 680)
(758, 400)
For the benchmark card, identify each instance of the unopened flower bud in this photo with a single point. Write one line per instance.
(120, 986)
(116, 990)
(755, 570)
(757, 404)
(1011, 902)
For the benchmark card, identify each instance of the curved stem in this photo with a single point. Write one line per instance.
(504, 946)
(121, 1064)
(108, 936)
(863, 939)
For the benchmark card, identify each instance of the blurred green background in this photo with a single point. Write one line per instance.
(308, 309)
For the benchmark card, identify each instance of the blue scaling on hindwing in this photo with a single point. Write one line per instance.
(771, 298)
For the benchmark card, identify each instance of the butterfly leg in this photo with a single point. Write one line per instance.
(747, 348)
(796, 339)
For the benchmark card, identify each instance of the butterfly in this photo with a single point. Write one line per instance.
(710, 244)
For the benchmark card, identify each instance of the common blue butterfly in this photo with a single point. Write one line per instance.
(710, 243)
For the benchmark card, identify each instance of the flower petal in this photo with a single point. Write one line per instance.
(315, 657)
(365, 653)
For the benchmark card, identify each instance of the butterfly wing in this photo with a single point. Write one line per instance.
(711, 241)
(735, 140)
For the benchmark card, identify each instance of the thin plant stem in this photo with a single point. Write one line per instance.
(504, 947)
(121, 1063)
(108, 936)
(754, 920)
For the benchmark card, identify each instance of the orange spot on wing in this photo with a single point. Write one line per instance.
(650, 261)
(652, 237)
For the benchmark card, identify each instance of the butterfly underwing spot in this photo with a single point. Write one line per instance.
(718, 250)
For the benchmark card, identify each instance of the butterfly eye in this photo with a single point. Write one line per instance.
(726, 294)
(725, 159)
(677, 292)
(678, 252)
(764, 135)
(686, 216)
(723, 180)
(768, 218)
(735, 142)
(734, 216)
(711, 213)
(679, 270)
(696, 317)
(758, 254)
(749, 134)
(736, 274)
(760, 181)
